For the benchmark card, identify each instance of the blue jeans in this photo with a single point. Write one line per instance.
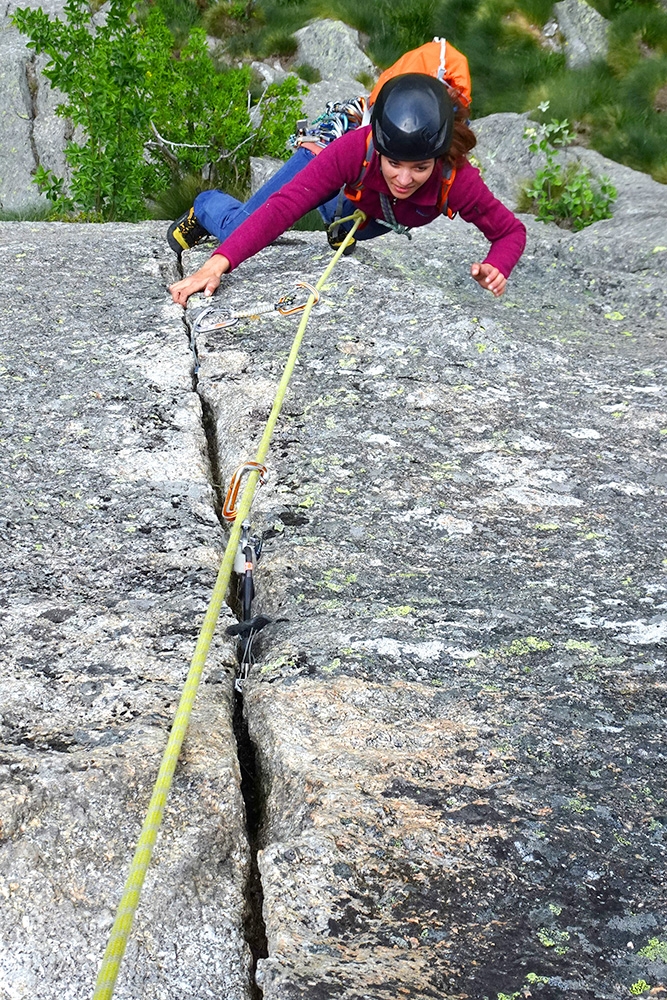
(220, 214)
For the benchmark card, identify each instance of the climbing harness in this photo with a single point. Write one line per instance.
(285, 306)
(389, 219)
(122, 925)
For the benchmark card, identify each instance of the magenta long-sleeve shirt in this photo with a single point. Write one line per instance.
(341, 163)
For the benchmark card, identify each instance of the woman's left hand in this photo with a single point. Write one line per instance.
(489, 277)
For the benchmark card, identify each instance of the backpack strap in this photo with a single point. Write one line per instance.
(353, 190)
(448, 177)
(389, 219)
(442, 65)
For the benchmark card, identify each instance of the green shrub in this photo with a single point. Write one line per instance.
(148, 119)
(570, 195)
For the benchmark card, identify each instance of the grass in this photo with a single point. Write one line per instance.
(309, 223)
(32, 213)
(308, 73)
(229, 18)
(181, 16)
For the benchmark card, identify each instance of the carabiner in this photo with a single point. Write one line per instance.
(295, 309)
(229, 509)
(227, 321)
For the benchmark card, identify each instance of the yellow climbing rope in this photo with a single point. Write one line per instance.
(122, 926)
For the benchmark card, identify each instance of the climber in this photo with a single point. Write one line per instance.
(403, 170)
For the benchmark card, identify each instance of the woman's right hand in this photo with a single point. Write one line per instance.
(206, 279)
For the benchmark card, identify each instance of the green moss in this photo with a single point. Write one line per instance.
(575, 645)
(655, 950)
(553, 939)
(399, 612)
(331, 604)
(277, 664)
(337, 579)
(578, 806)
(521, 647)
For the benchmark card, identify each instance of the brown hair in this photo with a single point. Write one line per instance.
(463, 140)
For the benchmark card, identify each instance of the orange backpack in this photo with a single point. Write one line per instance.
(439, 59)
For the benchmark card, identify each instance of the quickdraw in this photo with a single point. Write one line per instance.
(249, 626)
(285, 306)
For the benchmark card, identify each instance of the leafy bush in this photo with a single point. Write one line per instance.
(570, 195)
(147, 119)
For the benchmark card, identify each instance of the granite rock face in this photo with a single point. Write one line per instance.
(30, 131)
(16, 110)
(332, 47)
(262, 169)
(109, 546)
(458, 707)
(585, 32)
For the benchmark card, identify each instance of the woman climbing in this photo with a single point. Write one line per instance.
(403, 170)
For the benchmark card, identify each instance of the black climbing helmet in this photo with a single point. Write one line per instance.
(413, 118)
